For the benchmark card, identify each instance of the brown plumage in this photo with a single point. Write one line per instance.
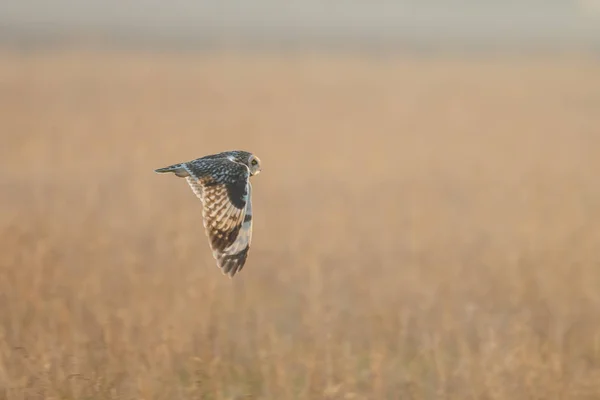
(222, 183)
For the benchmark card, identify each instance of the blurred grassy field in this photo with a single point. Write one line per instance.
(423, 229)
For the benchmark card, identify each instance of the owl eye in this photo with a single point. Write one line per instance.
(254, 162)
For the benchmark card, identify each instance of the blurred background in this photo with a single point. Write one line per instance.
(393, 25)
(424, 224)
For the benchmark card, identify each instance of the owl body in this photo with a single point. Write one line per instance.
(222, 183)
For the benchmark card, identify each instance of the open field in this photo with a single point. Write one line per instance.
(423, 229)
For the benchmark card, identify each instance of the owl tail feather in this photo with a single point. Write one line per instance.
(177, 169)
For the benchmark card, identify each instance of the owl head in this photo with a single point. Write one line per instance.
(254, 165)
(246, 158)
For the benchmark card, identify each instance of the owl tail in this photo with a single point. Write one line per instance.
(177, 169)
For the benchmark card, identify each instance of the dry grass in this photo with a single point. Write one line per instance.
(423, 229)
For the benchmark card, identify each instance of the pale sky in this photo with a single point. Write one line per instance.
(549, 20)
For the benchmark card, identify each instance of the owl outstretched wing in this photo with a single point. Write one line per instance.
(226, 193)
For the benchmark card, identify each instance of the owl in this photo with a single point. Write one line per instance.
(222, 183)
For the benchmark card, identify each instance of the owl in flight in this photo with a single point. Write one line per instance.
(222, 183)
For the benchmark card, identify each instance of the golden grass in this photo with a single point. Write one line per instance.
(424, 229)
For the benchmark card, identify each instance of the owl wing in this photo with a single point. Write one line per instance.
(225, 190)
